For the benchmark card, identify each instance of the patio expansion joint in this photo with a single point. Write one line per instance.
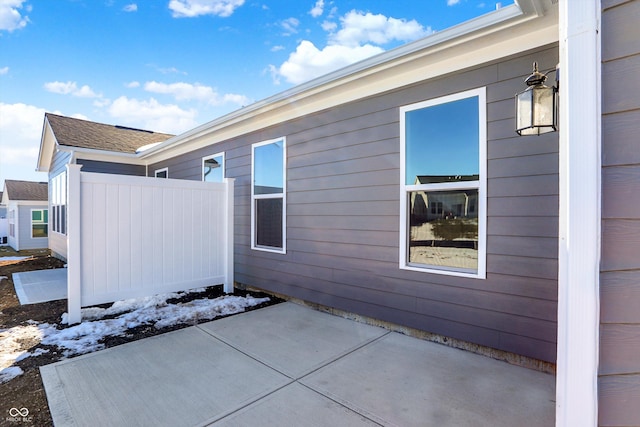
(297, 379)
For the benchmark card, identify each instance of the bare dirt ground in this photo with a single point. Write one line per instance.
(27, 390)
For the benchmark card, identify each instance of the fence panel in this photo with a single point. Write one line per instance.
(139, 236)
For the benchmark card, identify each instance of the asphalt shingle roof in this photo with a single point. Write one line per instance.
(85, 134)
(26, 190)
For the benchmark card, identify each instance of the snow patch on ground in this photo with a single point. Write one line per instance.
(123, 315)
(14, 343)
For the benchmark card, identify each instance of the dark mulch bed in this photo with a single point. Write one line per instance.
(26, 390)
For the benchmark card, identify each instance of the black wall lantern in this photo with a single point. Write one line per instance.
(537, 106)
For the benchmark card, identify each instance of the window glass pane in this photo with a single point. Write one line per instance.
(161, 173)
(269, 222)
(63, 219)
(442, 143)
(268, 168)
(36, 216)
(213, 169)
(46, 215)
(39, 230)
(443, 228)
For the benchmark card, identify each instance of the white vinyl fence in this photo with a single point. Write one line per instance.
(131, 237)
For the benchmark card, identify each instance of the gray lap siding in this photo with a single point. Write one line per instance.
(343, 217)
(619, 370)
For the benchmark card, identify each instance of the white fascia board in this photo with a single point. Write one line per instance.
(498, 34)
(102, 155)
(48, 145)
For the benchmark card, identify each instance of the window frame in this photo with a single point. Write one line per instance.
(223, 166)
(155, 173)
(58, 208)
(43, 222)
(480, 185)
(283, 196)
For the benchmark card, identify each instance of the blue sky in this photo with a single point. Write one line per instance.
(171, 65)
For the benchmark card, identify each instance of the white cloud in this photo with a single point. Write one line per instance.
(70, 88)
(133, 85)
(360, 36)
(4, 70)
(452, 2)
(186, 92)
(358, 28)
(152, 115)
(130, 7)
(273, 49)
(11, 17)
(317, 9)
(290, 26)
(20, 131)
(308, 61)
(329, 26)
(194, 8)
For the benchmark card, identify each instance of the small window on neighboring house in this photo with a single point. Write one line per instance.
(268, 196)
(59, 203)
(162, 173)
(12, 223)
(39, 223)
(213, 168)
(443, 185)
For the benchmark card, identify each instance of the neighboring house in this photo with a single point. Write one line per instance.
(98, 148)
(27, 214)
(334, 176)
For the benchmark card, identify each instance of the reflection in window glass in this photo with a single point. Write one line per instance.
(267, 168)
(447, 233)
(442, 142)
(213, 168)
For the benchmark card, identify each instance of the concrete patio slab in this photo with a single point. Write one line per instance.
(182, 378)
(293, 339)
(399, 380)
(290, 365)
(33, 287)
(295, 405)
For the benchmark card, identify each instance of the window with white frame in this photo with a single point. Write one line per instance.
(443, 185)
(12, 223)
(213, 168)
(268, 195)
(59, 203)
(162, 173)
(39, 223)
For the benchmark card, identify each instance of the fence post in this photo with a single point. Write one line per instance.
(229, 225)
(73, 244)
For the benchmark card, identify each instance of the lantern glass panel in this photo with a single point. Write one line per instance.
(523, 110)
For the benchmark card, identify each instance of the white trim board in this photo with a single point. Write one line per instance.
(580, 214)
